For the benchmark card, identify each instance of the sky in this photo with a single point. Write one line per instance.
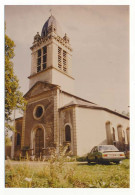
(99, 36)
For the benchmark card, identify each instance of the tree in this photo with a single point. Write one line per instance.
(13, 97)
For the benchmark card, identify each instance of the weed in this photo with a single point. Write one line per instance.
(57, 173)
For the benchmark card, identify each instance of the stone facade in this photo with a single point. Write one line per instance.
(18, 136)
(67, 119)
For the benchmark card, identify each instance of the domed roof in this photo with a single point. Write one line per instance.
(51, 21)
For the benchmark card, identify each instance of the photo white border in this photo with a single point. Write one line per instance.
(77, 191)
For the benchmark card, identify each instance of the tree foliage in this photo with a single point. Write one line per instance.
(13, 97)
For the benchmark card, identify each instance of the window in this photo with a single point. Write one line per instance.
(18, 139)
(119, 129)
(128, 136)
(42, 59)
(95, 149)
(39, 61)
(59, 57)
(123, 136)
(114, 135)
(64, 61)
(109, 133)
(38, 111)
(67, 133)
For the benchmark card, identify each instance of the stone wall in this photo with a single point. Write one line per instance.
(67, 118)
(47, 120)
(18, 126)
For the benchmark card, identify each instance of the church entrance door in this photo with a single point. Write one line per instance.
(39, 142)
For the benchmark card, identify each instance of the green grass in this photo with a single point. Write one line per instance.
(67, 175)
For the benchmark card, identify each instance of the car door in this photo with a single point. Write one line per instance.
(90, 155)
(95, 153)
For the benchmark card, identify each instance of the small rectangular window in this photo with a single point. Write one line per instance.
(44, 50)
(44, 66)
(64, 54)
(39, 52)
(44, 58)
(64, 61)
(59, 51)
(38, 68)
(39, 61)
(59, 58)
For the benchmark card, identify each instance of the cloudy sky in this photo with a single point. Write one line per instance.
(99, 36)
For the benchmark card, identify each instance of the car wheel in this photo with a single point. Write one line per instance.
(88, 160)
(118, 162)
(96, 160)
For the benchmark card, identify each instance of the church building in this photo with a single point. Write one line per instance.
(54, 116)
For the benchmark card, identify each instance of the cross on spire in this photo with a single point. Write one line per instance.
(50, 12)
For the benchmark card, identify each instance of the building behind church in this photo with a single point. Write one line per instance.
(54, 116)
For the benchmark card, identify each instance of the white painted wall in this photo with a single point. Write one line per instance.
(65, 99)
(66, 82)
(90, 127)
(42, 76)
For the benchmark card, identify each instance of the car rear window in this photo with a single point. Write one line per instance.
(108, 148)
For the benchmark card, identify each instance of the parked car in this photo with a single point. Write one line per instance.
(105, 154)
(127, 154)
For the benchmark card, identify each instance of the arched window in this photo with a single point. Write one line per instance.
(18, 139)
(114, 139)
(120, 137)
(123, 136)
(67, 133)
(109, 133)
(128, 137)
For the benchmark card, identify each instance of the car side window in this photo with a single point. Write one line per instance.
(95, 149)
(92, 151)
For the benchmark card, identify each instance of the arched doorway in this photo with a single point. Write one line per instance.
(39, 141)
(18, 139)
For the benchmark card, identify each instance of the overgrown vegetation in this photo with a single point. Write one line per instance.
(13, 97)
(8, 141)
(57, 173)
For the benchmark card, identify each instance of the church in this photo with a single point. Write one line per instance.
(54, 116)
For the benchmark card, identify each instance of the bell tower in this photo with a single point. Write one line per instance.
(51, 57)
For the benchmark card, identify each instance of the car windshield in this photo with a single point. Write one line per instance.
(108, 148)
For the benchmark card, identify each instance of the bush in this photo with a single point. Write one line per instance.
(81, 158)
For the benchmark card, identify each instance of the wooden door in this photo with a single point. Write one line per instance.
(39, 142)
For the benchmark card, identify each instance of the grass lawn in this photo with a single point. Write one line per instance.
(66, 175)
